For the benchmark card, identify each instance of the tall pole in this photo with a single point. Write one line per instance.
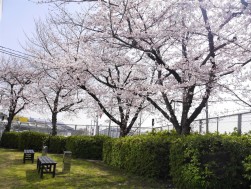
(239, 124)
(97, 127)
(140, 122)
(207, 130)
(109, 127)
(217, 125)
(200, 126)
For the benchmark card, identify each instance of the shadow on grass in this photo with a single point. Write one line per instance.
(32, 176)
(18, 161)
(63, 180)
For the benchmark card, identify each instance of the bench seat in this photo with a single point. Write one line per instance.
(28, 155)
(46, 165)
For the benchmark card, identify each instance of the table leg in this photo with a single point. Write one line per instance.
(54, 170)
(32, 158)
(38, 165)
(42, 171)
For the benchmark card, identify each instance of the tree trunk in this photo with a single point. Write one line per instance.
(54, 124)
(186, 129)
(8, 125)
(123, 130)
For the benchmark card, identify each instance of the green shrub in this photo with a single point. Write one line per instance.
(146, 155)
(209, 161)
(107, 151)
(10, 140)
(87, 147)
(247, 169)
(57, 144)
(32, 140)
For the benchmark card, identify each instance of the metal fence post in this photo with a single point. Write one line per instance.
(207, 121)
(109, 128)
(97, 126)
(200, 126)
(239, 123)
(217, 119)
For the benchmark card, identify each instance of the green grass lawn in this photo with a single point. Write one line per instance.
(84, 174)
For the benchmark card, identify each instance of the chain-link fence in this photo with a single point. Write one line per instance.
(72, 129)
(223, 124)
(240, 122)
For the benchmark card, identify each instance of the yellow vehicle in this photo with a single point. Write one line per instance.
(21, 119)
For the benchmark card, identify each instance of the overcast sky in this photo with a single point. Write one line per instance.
(17, 19)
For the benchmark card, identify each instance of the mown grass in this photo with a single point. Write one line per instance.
(84, 174)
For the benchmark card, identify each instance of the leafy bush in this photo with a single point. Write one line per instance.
(57, 144)
(146, 155)
(247, 169)
(32, 140)
(209, 161)
(10, 140)
(87, 147)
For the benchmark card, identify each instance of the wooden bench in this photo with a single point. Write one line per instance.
(46, 165)
(28, 155)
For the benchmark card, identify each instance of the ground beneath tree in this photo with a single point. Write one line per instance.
(84, 174)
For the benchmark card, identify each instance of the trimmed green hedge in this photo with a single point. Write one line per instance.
(32, 140)
(194, 161)
(146, 155)
(87, 147)
(209, 161)
(247, 169)
(10, 140)
(57, 144)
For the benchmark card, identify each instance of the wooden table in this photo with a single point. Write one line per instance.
(28, 155)
(46, 165)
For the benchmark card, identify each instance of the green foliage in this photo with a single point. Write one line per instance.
(209, 161)
(10, 140)
(247, 169)
(32, 140)
(163, 133)
(57, 144)
(87, 147)
(146, 155)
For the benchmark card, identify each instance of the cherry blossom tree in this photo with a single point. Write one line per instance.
(101, 74)
(189, 47)
(192, 44)
(56, 95)
(107, 87)
(55, 91)
(16, 77)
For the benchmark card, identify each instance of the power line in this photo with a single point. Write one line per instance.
(13, 54)
(16, 51)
